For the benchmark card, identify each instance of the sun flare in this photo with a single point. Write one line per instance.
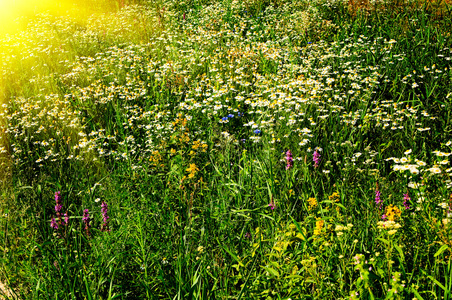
(12, 10)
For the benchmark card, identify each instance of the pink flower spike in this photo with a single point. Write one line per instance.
(316, 158)
(272, 205)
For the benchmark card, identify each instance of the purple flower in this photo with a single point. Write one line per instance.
(383, 217)
(316, 158)
(86, 217)
(406, 200)
(58, 196)
(377, 198)
(86, 220)
(289, 160)
(58, 206)
(66, 219)
(272, 204)
(54, 224)
(104, 209)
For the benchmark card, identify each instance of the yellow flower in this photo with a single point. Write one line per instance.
(192, 170)
(392, 212)
(334, 197)
(318, 226)
(312, 203)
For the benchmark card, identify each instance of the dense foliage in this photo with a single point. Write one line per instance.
(256, 149)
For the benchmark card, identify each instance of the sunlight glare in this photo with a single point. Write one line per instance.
(12, 10)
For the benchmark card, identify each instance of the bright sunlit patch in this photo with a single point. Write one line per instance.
(12, 10)
(7, 15)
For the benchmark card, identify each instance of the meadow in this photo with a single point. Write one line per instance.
(255, 149)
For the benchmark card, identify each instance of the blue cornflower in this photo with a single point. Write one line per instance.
(225, 118)
(257, 131)
(231, 116)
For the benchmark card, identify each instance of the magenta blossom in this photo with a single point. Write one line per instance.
(54, 224)
(58, 205)
(66, 219)
(105, 217)
(406, 201)
(272, 204)
(289, 160)
(378, 199)
(316, 158)
(86, 220)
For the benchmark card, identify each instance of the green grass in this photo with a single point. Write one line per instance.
(179, 115)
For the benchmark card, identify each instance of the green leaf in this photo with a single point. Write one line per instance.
(441, 250)
(402, 256)
(88, 292)
(437, 282)
(272, 271)
(416, 294)
(233, 256)
(383, 240)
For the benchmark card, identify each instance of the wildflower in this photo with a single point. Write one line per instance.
(55, 264)
(58, 205)
(104, 209)
(406, 200)
(318, 226)
(289, 160)
(257, 131)
(312, 203)
(393, 212)
(435, 170)
(378, 199)
(272, 204)
(316, 158)
(86, 220)
(443, 205)
(192, 170)
(334, 197)
(66, 219)
(54, 224)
